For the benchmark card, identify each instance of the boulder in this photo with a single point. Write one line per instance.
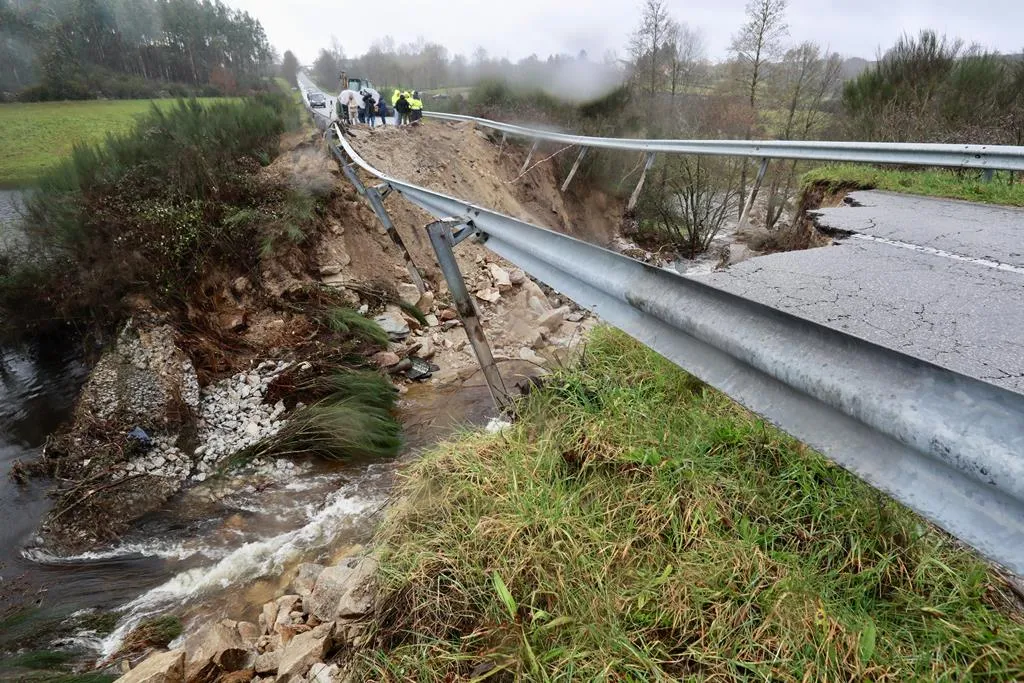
(342, 592)
(305, 650)
(489, 294)
(249, 632)
(553, 319)
(517, 277)
(163, 667)
(408, 293)
(432, 320)
(330, 269)
(322, 673)
(393, 323)
(427, 349)
(269, 616)
(215, 648)
(426, 302)
(307, 573)
(385, 359)
(449, 314)
(268, 662)
(531, 356)
(500, 276)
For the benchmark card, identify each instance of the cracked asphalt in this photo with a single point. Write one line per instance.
(946, 286)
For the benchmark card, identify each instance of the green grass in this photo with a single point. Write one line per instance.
(636, 525)
(967, 185)
(36, 135)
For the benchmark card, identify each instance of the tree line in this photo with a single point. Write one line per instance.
(77, 49)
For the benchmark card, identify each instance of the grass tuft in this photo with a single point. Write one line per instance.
(349, 321)
(638, 525)
(962, 184)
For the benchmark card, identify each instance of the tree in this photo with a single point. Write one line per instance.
(688, 63)
(758, 41)
(651, 52)
(290, 67)
(326, 70)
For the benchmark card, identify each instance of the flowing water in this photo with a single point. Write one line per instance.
(218, 549)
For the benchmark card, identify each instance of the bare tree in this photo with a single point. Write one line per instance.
(688, 65)
(648, 47)
(758, 41)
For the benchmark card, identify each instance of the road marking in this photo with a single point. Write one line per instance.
(988, 263)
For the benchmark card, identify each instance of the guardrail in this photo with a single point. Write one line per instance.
(949, 446)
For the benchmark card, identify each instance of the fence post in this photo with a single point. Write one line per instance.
(749, 204)
(529, 156)
(441, 238)
(575, 167)
(635, 197)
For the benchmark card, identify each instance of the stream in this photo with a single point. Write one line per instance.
(221, 548)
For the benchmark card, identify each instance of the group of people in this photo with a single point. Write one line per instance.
(367, 104)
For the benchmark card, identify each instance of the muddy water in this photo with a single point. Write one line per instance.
(218, 549)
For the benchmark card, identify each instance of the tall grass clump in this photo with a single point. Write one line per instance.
(142, 212)
(349, 321)
(353, 417)
(637, 525)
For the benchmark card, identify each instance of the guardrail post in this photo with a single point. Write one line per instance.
(441, 238)
(988, 174)
(575, 167)
(377, 204)
(529, 156)
(749, 204)
(501, 147)
(635, 197)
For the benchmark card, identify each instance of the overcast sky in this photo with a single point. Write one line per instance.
(517, 28)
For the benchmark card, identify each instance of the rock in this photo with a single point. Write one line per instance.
(488, 294)
(305, 650)
(408, 293)
(341, 592)
(531, 356)
(322, 673)
(449, 314)
(330, 269)
(393, 323)
(432, 320)
(306, 576)
(538, 306)
(249, 632)
(412, 322)
(268, 662)
(216, 647)
(252, 429)
(426, 301)
(385, 359)
(243, 676)
(552, 320)
(575, 317)
(427, 349)
(164, 667)
(501, 277)
(517, 277)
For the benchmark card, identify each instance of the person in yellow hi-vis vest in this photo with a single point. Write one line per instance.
(415, 107)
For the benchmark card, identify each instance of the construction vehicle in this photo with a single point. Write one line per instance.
(356, 84)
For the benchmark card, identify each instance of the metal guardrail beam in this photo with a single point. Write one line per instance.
(947, 445)
(992, 157)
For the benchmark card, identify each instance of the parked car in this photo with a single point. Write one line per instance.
(317, 100)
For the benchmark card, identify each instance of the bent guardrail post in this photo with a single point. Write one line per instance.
(635, 197)
(441, 238)
(373, 196)
(529, 156)
(575, 167)
(749, 204)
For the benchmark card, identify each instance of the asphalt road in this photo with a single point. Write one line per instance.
(941, 280)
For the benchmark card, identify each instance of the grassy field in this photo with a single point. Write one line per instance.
(35, 135)
(636, 525)
(934, 183)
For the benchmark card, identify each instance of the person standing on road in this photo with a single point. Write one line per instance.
(368, 108)
(415, 107)
(394, 106)
(402, 109)
(348, 105)
(382, 111)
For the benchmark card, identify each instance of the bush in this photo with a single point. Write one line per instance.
(143, 212)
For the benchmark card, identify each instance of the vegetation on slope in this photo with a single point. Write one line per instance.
(36, 136)
(638, 525)
(968, 185)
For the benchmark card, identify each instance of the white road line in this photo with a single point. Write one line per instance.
(988, 263)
